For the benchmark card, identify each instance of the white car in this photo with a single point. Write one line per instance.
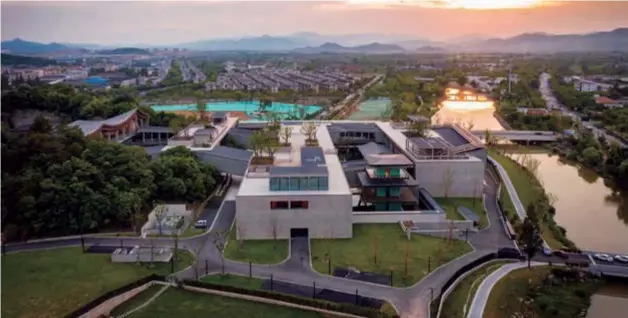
(603, 257)
(621, 258)
(201, 224)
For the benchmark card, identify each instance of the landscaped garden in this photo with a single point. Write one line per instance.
(541, 292)
(256, 251)
(462, 295)
(450, 205)
(385, 248)
(53, 283)
(530, 191)
(176, 302)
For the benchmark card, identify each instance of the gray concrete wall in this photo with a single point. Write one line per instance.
(327, 216)
(395, 217)
(465, 181)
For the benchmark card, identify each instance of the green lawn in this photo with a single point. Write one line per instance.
(256, 251)
(182, 303)
(136, 301)
(451, 208)
(234, 280)
(388, 243)
(52, 283)
(525, 186)
(505, 297)
(463, 294)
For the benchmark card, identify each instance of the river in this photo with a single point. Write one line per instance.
(594, 218)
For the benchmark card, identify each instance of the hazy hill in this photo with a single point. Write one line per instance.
(615, 40)
(19, 46)
(125, 51)
(372, 48)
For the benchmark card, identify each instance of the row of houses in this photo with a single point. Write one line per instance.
(596, 84)
(275, 79)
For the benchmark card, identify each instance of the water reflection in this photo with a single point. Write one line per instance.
(480, 118)
(594, 215)
(609, 302)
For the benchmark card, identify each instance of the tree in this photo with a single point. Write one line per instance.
(530, 235)
(591, 157)
(201, 107)
(160, 213)
(488, 138)
(241, 228)
(175, 125)
(285, 135)
(447, 181)
(258, 143)
(219, 239)
(417, 129)
(271, 146)
(309, 130)
(264, 104)
(274, 227)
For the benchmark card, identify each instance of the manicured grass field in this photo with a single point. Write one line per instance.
(234, 280)
(53, 283)
(181, 303)
(388, 243)
(505, 297)
(525, 186)
(256, 251)
(451, 208)
(463, 294)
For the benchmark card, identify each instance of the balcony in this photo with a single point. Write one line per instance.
(376, 174)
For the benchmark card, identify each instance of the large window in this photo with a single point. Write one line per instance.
(299, 204)
(274, 184)
(299, 184)
(278, 205)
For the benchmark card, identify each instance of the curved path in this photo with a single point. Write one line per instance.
(481, 295)
(410, 302)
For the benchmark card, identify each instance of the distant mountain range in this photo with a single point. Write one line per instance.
(371, 48)
(307, 42)
(615, 40)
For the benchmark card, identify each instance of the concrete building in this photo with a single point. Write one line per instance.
(116, 128)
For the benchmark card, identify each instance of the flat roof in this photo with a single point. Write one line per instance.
(450, 135)
(373, 148)
(430, 143)
(338, 185)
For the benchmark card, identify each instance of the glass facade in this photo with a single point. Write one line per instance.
(299, 184)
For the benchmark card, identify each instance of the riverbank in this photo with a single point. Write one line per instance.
(530, 191)
(542, 292)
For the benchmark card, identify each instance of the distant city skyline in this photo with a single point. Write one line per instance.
(168, 22)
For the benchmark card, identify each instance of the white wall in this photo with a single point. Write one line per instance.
(327, 216)
(466, 177)
(395, 217)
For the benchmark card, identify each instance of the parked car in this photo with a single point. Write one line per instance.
(200, 224)
(621, 258)
(561, 254)
(547, 252)
(603, 257)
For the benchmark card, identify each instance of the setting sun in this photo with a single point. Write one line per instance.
(458, 4)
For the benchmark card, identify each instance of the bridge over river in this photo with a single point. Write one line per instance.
(520, 135)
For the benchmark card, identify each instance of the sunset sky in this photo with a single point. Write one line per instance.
(170, 22)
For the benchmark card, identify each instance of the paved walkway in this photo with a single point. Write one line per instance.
(483, 292)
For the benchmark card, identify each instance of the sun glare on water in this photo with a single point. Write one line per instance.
(467, 105)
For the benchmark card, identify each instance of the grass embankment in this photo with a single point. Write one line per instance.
(254, 283)
(451, 208)
(530, 191)
(462, 295)
(386, 243)
(541, 292)
(256, 251)
(176, 302)
(52, 283)
(136, 301)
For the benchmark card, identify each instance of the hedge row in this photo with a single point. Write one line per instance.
(339, 307)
